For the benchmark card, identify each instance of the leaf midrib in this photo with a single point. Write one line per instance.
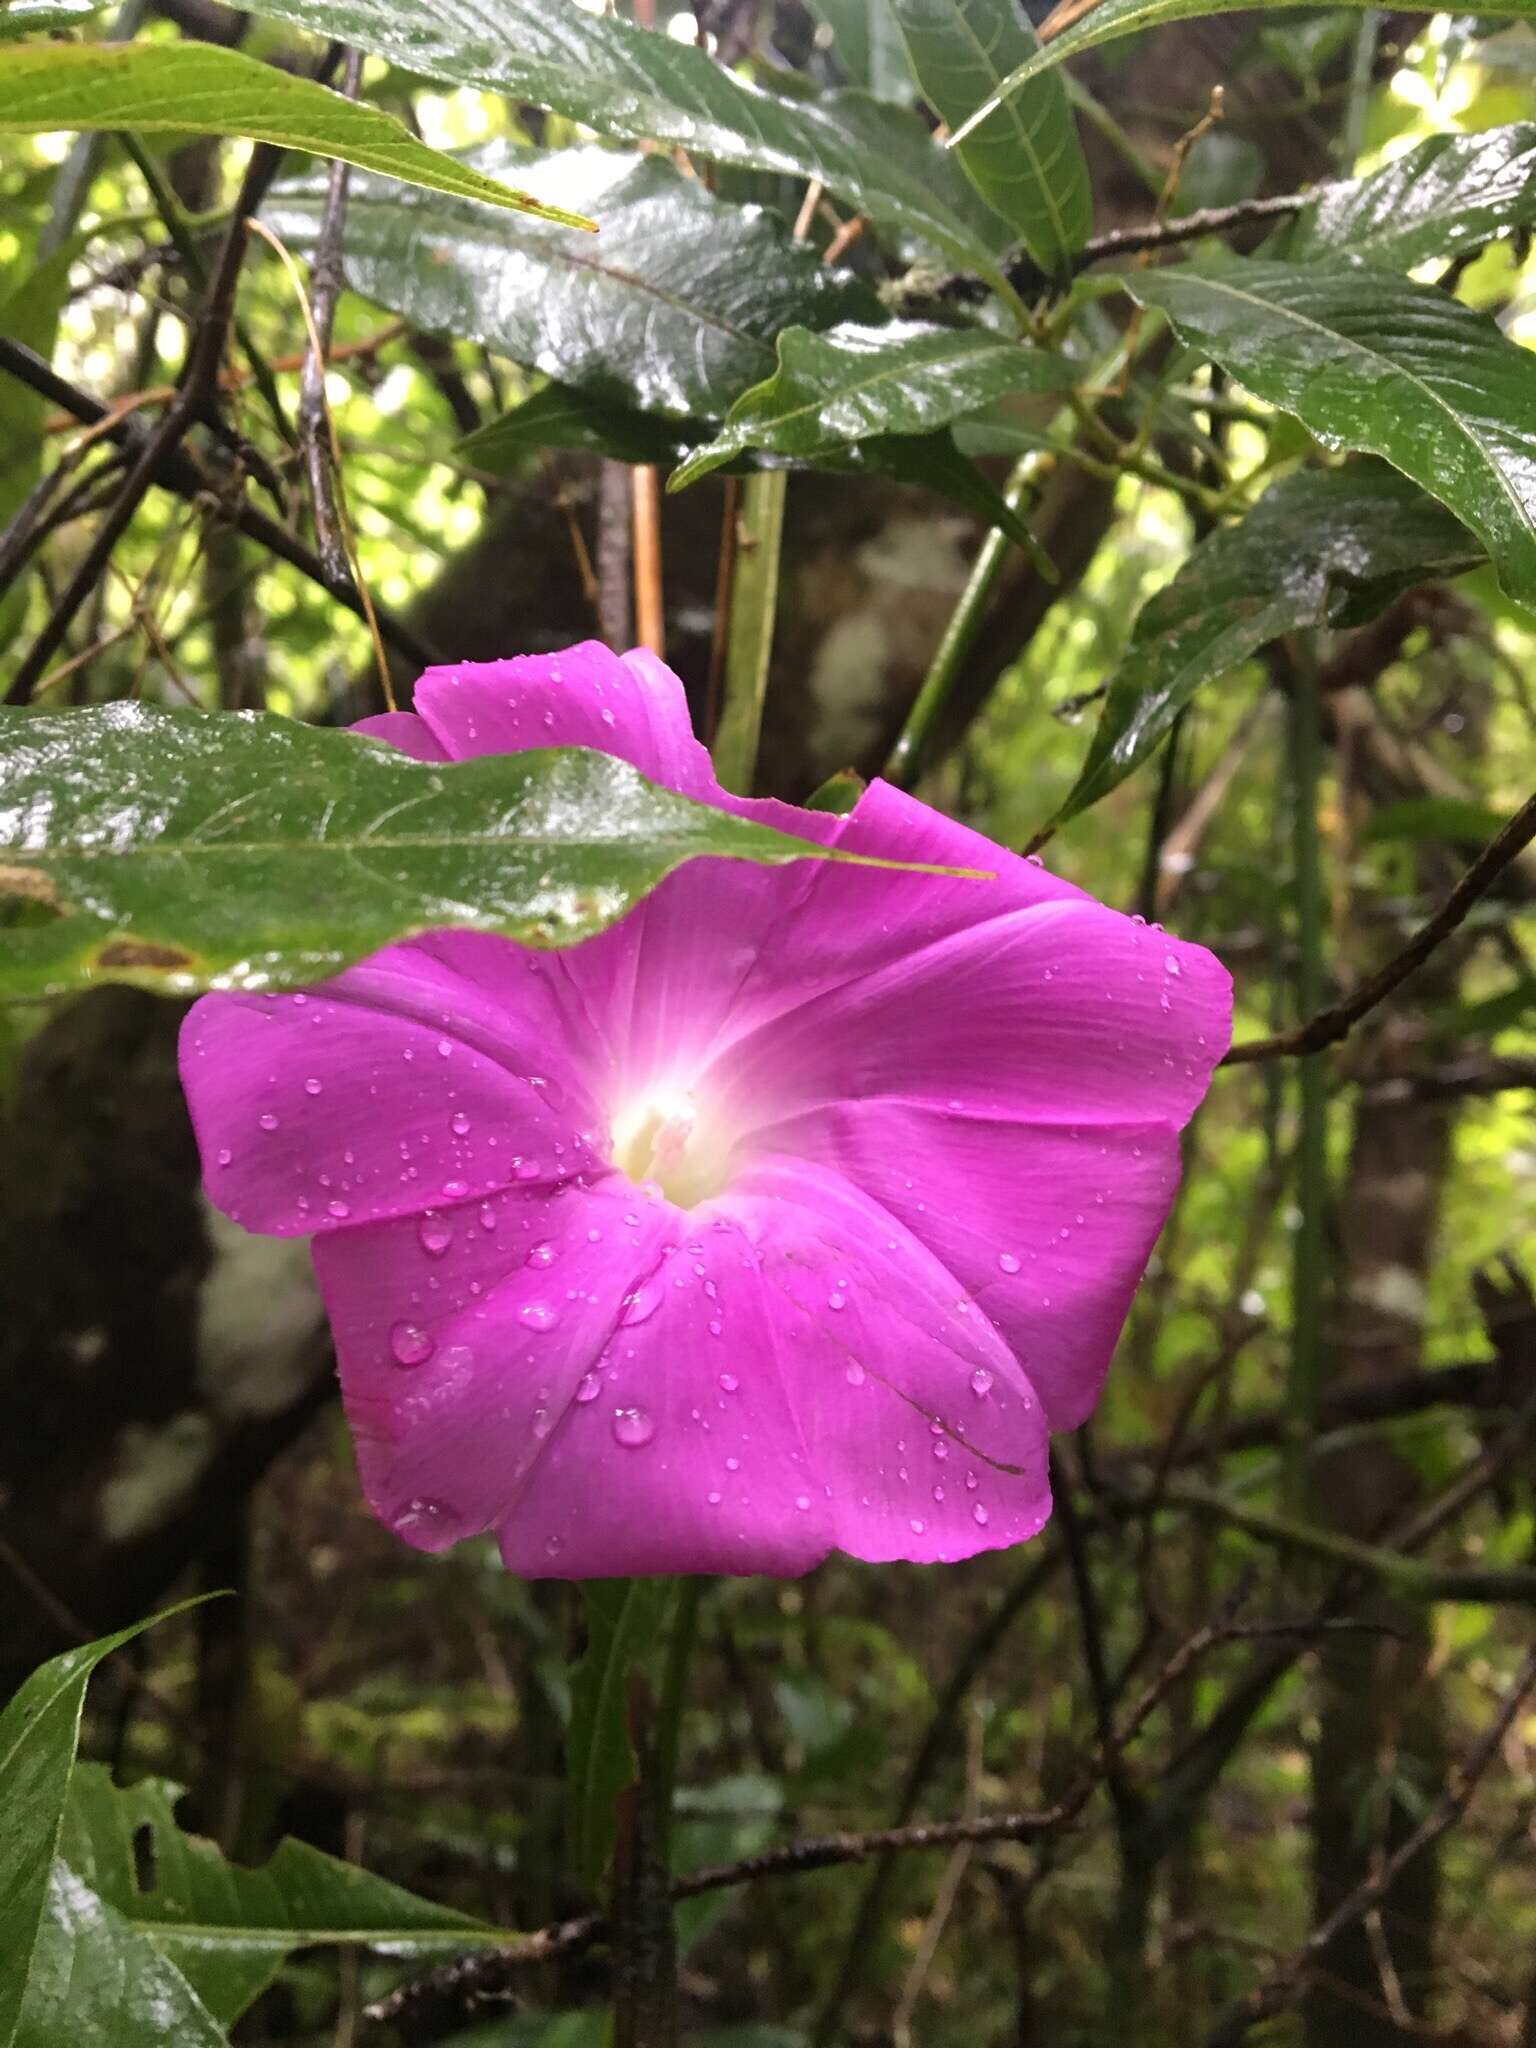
(1014, 109)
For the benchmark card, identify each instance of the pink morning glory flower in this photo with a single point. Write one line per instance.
(790, 1214)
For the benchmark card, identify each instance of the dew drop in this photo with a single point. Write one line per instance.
(459, 1124)
(835, 1300)
(488, 1217)
(855, 1374)
(340, 1210)
(225, 1155)
(435, 1235)
(411, 1344)
(803, 1502)
(312, 1085)
(632, 1428)
(541, 1255)
(980, 1516)
(917, 1525)
(539, 1315)
(729, 1383)
(444, 1048)
(713, 1499)
(267, 1120)
(588, 1387)
(526, 1169)
(552, 1546)
(454, 1188)
(981, 1382)
(1008, 1262)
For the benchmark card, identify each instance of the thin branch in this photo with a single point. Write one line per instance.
(488, 1973)
(1285, 1984)
(316, 436)
(177, 471)
(198, 389)
(1329, 1026)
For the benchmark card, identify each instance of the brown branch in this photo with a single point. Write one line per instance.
(489, 1973)
(179, 472)
(1329, 1026)
(315, 435)
(1285, 1984)
(198, 389)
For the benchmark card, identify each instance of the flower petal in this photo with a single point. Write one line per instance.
(434, 1071)
(461, 1352)
(927, 1437)
(584, 696)
(1047, 1228)
(1064, 1013)
(403, 729)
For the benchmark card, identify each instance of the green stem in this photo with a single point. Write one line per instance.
(754, 602)
(1309, 1246)
(669, 1710)
(906, 757)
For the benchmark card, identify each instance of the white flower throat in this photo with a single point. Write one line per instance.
(667, 1139)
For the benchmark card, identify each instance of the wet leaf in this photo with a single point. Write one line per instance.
(158, 88)
(1345, 542)
(1448, 194)
(187, 850)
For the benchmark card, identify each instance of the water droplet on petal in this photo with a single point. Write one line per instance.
(488, 1217)
(454, 1188)
(981, 1382)
(803, 1502)
(836, 1300)
(444, 1048)
(980, 1516)
(435, 1234)
(588, 1387)
(411, 1344)
(267, 1120)
(459, 1124)
(312, 1085)
(632, 1428)
(729, 1383)
(542, 1255)
(1008, 1262)
(917, 1525)
(526, 1169)
(225, 1155)
(539, 1315)
(340, 1210)
(855, 1374)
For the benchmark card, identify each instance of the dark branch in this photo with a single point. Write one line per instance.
(179, 472)
(1285, 1984)
(314, 420)
(1329, 1026)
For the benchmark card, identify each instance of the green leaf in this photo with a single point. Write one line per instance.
(640, 86)
(1320, 548)
(673, 308)
(624, 1621)
(839, 793)
(38, 1734)
(26, 17)
(1448, 194)
(186, 850)
(97, 1983)
(856, 382)
(1459, 820)
(155, 88)
(1109, 19)
(224, 1928)
(1369, 361)
(869, 46)
(934, 462)
(559, 417)
(1025, 159)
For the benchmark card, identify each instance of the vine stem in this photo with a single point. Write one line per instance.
(749, 643)
(906, 757)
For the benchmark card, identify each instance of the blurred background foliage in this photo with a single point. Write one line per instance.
(407, 1712)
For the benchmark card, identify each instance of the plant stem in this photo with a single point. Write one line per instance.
(669, 1710)
(906, 757)
(754, 602)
